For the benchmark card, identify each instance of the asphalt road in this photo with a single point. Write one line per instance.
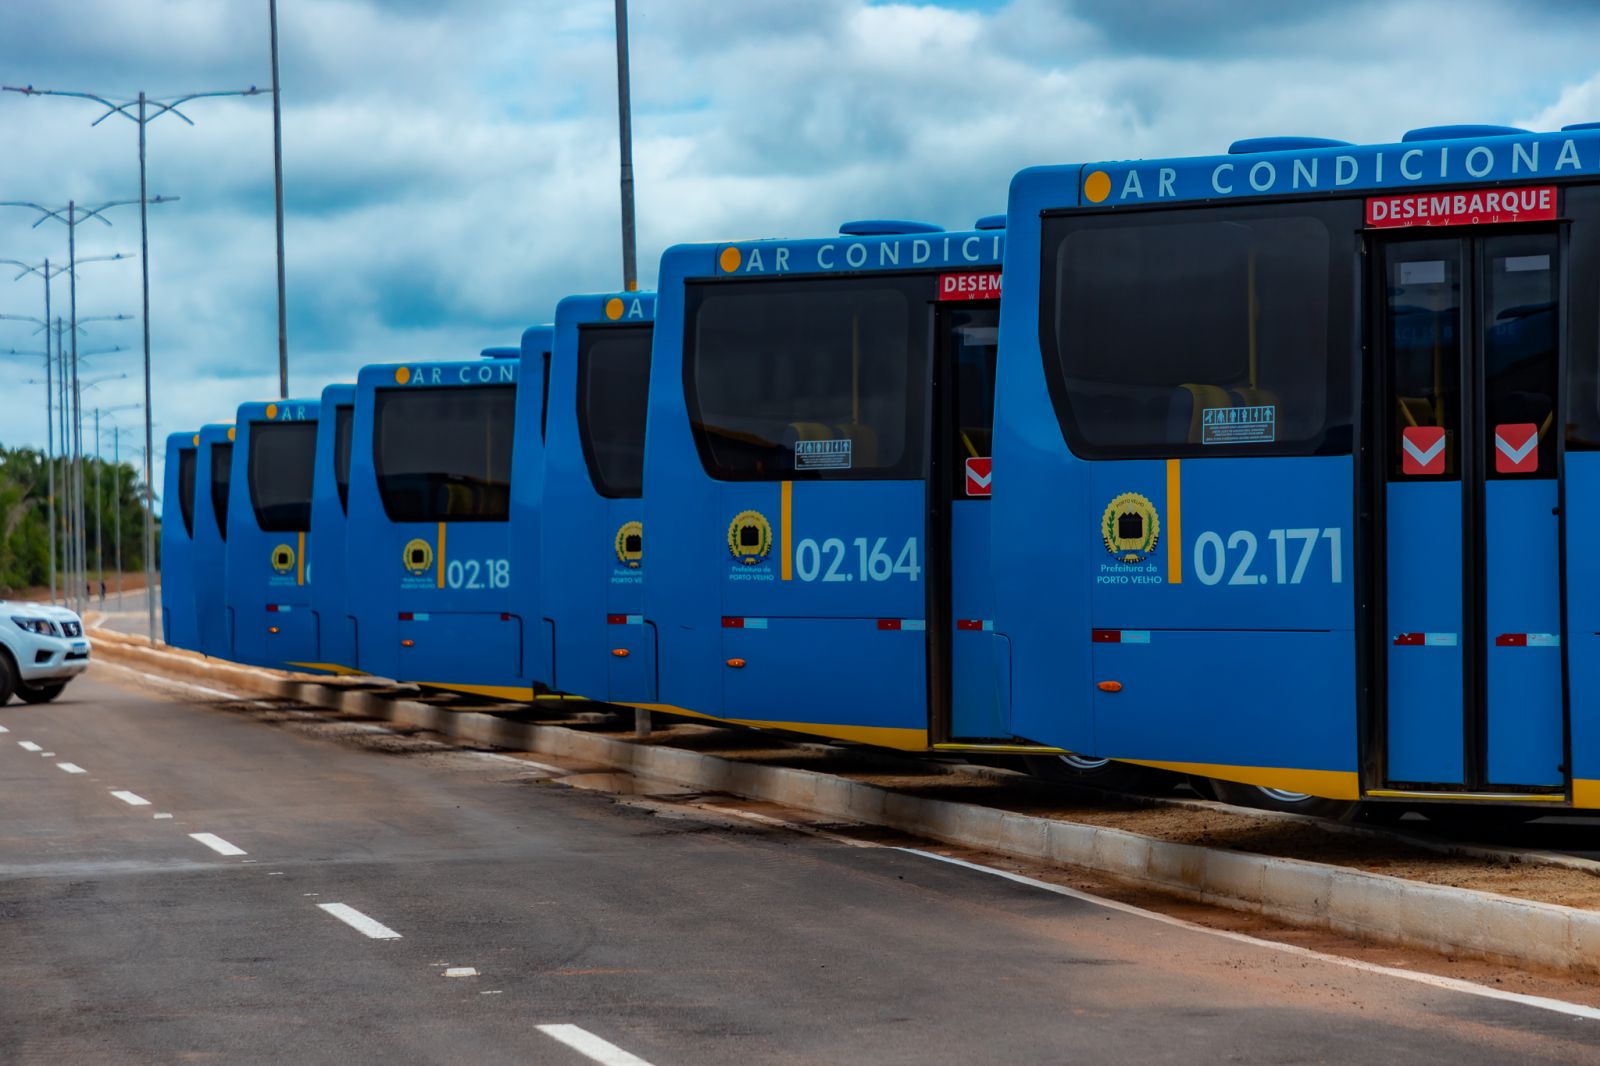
(672, 938)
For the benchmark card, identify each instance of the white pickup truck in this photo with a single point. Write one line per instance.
(42, 647)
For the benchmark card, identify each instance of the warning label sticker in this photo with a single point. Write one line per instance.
(822, 455)
(1238, 425)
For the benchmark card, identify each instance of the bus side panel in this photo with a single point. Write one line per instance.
(177, 565)
(210, 564)
(1425, 730)
(632, 677)
(685, 530)
(1274, 699)
(849, 607)
(980, 666)
(465, 648)
(1582, 638)
(1524, 681)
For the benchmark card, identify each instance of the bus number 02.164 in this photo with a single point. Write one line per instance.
(1291, 552)
(473, 574)
(827, 560)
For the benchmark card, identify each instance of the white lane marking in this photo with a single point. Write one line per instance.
(461, 971)
(590, 1046)
(28, 745)
(360, 922)
(158, 679)
(217, 844)
(161, 816)
(3, 729)
(132, 799)
(530, 763)
(799, 827)
(1451, 984)
(72, 768)
(48, 754)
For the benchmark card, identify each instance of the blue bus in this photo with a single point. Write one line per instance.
(1295, 444)
(592, 592)
(527, 498)
(333, 622)
(213, 478)
(178, 624)
(817, 485)
(266, 583)
(429, 571)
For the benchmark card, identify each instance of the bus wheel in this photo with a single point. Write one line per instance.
(1089, 770)
(1278, 799)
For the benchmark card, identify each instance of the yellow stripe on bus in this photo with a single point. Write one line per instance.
(785, 508)
(1330, 784)
(301, 555)
(1174, 523)
(441, 555)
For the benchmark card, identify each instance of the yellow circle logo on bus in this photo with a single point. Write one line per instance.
(750, 537)
(417, 557)
(402, 374)
(629, 544)
(614, 308)
(283, 558)
(1097, 186)
(729, 260)
(272, 411)
(197, 440)
(1130, 527)
(230, 432)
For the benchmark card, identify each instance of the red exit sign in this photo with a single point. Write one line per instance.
(1475, 207)
(978, 285)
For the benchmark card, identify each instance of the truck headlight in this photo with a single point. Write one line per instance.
(40, 626)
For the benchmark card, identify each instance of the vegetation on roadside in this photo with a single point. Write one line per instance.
(25, 508)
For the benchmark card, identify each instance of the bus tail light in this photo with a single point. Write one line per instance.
(1109, 686)
(621, 653)
(272, 629)
(737, 664)
(407, 643)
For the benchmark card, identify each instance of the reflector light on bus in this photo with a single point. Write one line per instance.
(621, 653)
(1109, 686)
(892, 624)
(624, 619)
(272, 629)
(1431, 640)
(729, 622)
(413, 616)
(1528, 640)
(1120, 636)
(408, 643)
(975, 625)
(737, 664)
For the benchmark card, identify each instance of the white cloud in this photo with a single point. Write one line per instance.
(451, 168)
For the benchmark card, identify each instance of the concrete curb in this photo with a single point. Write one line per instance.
(1372, 906)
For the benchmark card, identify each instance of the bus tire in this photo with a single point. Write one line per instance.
(1089, 770)
(1277, 799)
(40, 693)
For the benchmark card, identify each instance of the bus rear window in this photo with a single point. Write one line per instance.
(344, 417)
(1215, 331)
(613, 387)
(187, 458)
(444, 454)
(279, 467)
(221, 479)
(811, 379)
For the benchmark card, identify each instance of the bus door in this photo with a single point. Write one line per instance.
(969, 665)
(1471, 484)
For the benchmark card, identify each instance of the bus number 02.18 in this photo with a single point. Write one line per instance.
(827, 560)
(473, 574)
(1291, 551)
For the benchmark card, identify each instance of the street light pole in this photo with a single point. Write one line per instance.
(277, 189)
(630, 268)
(143, 110)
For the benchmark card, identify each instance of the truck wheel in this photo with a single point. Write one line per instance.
(8, 678)
(40, 693)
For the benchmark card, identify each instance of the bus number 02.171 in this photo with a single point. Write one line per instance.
(473, 574)
(827, 560)
(1291, 555)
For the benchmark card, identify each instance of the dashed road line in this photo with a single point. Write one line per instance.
(132, 799)
(359, 922)
(3, 729)
(590, 1046)
(217, 844)
(48, 754)
(163, 815)
(71, 767)
(28, 745)
(461, 971)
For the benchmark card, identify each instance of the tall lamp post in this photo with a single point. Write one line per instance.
(72, 216)
(630, 268)
(46, 273)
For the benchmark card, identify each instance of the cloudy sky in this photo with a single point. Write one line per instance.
(450, 165)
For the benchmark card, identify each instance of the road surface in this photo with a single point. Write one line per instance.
(184, 882)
